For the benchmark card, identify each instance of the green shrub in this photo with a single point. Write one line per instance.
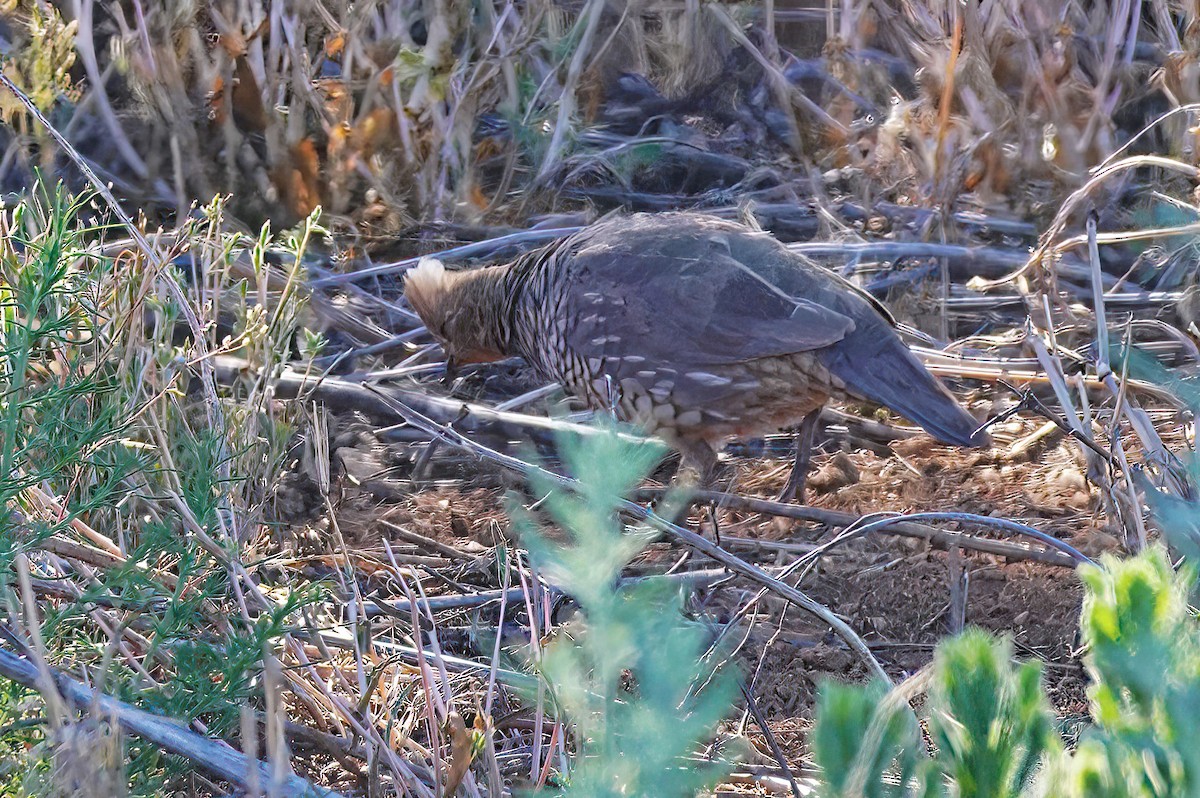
(990, 724)
(633, 678)
(1144, 659)
(97, 431)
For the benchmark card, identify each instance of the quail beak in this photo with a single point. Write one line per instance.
(451, 370)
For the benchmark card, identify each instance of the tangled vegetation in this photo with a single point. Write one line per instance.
(255, 543)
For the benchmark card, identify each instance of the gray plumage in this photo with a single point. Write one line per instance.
(699, 328)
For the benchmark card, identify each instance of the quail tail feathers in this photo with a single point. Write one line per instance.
(893, 376)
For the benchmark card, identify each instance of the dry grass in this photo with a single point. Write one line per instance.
(380, 114)
(993, 129)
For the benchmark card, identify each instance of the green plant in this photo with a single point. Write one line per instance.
(130, 513)
(633, 678)
(991, 727)
(1144, 658)
(850, 715)
(40, 62)
(62, 424)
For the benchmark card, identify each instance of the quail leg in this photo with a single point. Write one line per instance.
(698, 465)
(697, 468)
(794, 489)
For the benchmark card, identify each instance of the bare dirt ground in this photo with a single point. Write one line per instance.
(900, 594)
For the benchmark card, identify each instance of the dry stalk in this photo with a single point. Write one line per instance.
(566, 100)
(215, 757)
(1076, 199)
(686, 536)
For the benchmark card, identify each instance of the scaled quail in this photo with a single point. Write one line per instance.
(698, 328)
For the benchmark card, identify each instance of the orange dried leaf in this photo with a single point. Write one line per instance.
(233, 43)
(374, 132)
(339, 138)
(478, 198)
(262, 28)
(299, 182)
(216, 105)
(308, 167)
(248, 110)
(335, 44)
(461, 752)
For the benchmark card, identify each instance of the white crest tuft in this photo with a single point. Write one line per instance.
(426, 285)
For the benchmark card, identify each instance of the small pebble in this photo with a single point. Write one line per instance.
(1080, 500)
(838, 473)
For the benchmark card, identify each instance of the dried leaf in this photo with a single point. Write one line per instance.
(374, 132)
(216, 106)
(335, 44)
(478, 198)
(299, 182)
(233, 43)
(462, 752)
(249, 113)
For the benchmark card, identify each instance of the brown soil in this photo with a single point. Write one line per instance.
(895, 592)
(899, 602)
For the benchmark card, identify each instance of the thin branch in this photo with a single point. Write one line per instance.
(473, 250)
(566, 99)
(640, 513)
(215, 757)
(906, 526)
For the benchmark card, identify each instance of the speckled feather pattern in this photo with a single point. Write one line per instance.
(700, 329)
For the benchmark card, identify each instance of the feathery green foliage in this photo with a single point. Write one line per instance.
(97, 432)
(860, 737)
(990, 724)
(1144, 656)
(634, 680)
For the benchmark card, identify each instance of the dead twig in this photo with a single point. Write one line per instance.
(905, 526)
(640, 513)
(475, 249)
(215, 757)
(344, 395)
(1072, 203)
